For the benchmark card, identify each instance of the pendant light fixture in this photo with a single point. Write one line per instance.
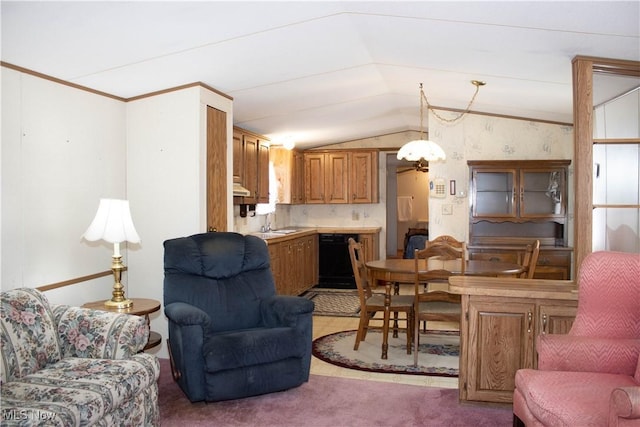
(422, 151)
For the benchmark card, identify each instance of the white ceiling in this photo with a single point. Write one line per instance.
(325, 72)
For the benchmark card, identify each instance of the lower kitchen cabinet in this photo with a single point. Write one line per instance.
(294, 263)
(369, 242)
(310, 263)
(501, 319)
(295, 258)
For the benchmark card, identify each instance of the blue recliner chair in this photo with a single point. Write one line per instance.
(230, 335)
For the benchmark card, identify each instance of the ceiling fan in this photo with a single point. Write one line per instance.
(419, 166)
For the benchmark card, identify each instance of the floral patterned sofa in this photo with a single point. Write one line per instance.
(69, 366)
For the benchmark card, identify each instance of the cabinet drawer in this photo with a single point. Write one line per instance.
(554, 265)
(551, 273)
(510, 257)
(554, 259)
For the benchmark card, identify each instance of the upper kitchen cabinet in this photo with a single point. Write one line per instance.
(341, 176)
(289, 171)
(238, 158)
(251, 166)
(363, 176)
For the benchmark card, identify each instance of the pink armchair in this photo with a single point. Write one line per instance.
(591, 376)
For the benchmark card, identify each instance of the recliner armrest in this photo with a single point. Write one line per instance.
(588, 354)
(185, 314)
(624, 403)
(284, 310)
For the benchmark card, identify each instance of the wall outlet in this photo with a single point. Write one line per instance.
(355, 216)
(447, 209)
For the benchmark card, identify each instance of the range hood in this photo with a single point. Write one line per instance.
(239, 190)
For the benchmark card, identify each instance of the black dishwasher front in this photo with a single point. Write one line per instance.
(334, 263)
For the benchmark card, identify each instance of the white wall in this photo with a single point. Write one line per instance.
(62, 150)
(166, 183)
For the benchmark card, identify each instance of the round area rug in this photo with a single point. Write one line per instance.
(439, 353)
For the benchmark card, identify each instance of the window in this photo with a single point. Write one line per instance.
(616, 174)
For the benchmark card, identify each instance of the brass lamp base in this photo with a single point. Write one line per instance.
(118, 299)
(125, 303)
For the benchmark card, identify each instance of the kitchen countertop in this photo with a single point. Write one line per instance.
(275, 237)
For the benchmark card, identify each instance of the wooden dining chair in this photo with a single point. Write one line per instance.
(530, 259)
(452, 241)
(444, 238)
(435, 305)
(371, 302)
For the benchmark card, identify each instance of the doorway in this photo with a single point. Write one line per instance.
(407, 195)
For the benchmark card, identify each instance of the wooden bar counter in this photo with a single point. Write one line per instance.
(501, 318)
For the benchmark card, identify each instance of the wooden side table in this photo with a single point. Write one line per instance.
(140, 307)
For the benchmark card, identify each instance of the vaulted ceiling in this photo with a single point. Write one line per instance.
(325, 72)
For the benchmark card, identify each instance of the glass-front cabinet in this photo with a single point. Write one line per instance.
(494, 193)
(542, 193)
(518, 193)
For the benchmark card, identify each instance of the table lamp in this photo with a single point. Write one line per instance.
(113, 224)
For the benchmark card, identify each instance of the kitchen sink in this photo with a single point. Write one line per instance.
(284, 231)
(273, 234)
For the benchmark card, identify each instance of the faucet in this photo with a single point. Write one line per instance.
(267, 224)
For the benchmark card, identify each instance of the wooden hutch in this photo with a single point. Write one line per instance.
(513, 201)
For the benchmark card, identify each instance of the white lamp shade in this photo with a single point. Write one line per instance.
(421, 149)
(112, 223)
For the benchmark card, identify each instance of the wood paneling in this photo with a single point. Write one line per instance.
(583, 158)
(216, 170)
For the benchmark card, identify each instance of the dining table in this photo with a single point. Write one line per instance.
(400, 270)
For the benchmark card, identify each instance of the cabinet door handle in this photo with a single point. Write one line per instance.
(529, 319)
(544, 323)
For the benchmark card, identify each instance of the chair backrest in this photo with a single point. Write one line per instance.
(530, 259)
(224, 274)
(444, 244)
(444, 238)
(608, 296)
(359, 270)
(442, 251)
